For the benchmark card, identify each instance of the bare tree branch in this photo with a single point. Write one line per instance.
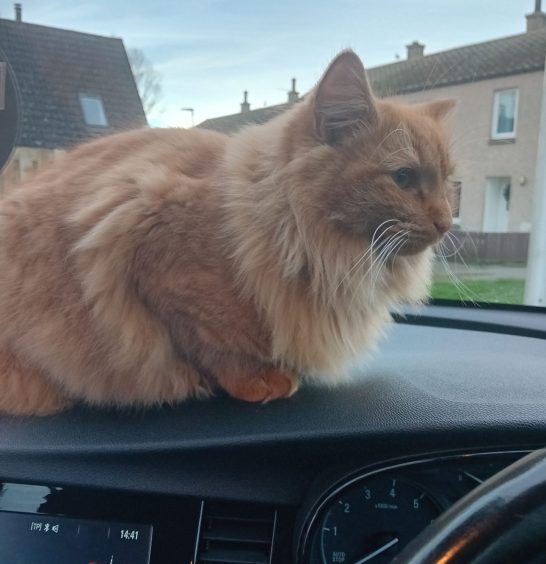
(147, 79)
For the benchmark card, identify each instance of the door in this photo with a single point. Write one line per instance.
(497, 204)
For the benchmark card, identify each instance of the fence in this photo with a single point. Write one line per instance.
(479, 247)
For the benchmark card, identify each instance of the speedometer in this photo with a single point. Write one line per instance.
(373, 520)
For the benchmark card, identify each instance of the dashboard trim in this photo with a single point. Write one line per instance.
(273, 535)
(198, 533)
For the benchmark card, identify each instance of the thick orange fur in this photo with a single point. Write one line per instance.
(155, 265)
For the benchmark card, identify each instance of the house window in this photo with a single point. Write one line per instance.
(456, 199)
(93, 110)
(505, 114)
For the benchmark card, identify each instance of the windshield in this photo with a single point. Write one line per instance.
(90, 69)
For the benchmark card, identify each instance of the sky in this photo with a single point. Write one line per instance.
(209, 51)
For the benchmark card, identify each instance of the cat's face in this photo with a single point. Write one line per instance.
(387, 178)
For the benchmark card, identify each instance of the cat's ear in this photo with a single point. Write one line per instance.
(439, 109)
(343, 100)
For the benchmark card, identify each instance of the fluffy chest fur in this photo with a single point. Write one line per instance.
(324, 297)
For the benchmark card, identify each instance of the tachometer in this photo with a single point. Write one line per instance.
(373, 520)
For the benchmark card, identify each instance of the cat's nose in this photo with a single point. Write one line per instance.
(442, 226)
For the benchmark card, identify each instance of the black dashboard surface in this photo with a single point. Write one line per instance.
(446, 382)
(422, 379)
(428, 389)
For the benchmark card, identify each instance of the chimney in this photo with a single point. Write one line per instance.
(18, 12)
(415, 50)
(536, 20)
(245, 106)
(293, 96)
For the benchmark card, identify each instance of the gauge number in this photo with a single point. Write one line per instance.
(374, 520)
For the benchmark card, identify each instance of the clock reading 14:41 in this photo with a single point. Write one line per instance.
(129, 534)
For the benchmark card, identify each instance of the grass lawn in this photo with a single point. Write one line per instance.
(495, 291)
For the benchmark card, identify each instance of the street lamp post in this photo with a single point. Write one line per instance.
(191, 110)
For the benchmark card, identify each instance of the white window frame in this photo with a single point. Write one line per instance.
(496, 103)
(93, 98)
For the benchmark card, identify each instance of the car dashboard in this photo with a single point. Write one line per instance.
(343, 475)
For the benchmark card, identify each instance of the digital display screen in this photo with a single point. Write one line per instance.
(41, 539)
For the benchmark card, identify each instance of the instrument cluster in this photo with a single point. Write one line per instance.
(371, 515)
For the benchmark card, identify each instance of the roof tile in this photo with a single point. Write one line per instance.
(53, 67)
(501, 57)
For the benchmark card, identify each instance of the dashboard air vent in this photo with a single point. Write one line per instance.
(235, 534)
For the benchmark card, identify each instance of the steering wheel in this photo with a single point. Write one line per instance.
(501, 521)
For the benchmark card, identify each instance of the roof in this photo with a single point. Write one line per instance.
(501, 57)
(233, 122)
(481, 61)
(53, 67)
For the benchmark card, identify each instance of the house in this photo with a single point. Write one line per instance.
(498, 88)
(72, 86)
(233, 122)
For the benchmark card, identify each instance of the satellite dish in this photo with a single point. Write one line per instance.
(10, 110)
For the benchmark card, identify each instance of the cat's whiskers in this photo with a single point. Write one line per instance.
(356, 287)
(390, 134)
(441, 249)
(410, 152)
(464, 291)
(376, 239)
(381, 247)
(394, 255)
(407, 147)
(444, 73)
(382, 251)
(362, 258)
(451, 239)
(385, 252)
(394, 251)
(430, 75)
(468, 237)
(394, 245)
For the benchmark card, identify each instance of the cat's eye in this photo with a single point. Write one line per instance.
(404, 177)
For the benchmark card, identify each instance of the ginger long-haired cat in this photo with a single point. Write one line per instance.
(154, 265)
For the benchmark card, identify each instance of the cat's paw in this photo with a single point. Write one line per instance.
(26, 390)
(270, 385)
